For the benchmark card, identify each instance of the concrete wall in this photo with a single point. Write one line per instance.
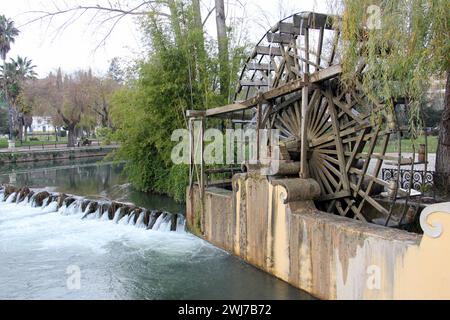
(54, 154)
(330, 257)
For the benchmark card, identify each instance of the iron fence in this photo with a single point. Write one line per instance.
(429, 182)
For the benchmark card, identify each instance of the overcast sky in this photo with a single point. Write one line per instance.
(77, 45)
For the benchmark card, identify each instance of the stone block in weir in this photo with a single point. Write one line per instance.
(173, 222)
(121, 214)
(113, 208)
(23, 193)
(61, 199)
(128, 209)
(92, 207)
(154, 215)
(104, 207)
(9, 190)
(40, 197)
(146, 217)
(68, 201)
(52, 198)
(137, 213)
(85, 204)
(31, 194)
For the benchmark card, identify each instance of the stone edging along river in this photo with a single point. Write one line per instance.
(118, 212)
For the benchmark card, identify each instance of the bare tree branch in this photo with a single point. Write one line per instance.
(134, 11)
(208, 15)
(111, 13)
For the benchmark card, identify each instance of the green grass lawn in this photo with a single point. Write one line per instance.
(407, 145)
(44, 141)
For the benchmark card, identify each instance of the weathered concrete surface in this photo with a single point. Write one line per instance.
(329, 256)
(55, 154)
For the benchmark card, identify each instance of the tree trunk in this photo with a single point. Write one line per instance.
(222, 40)
(11, 119)
(10, 109)
(443, 150)
(71, 137)
(175, 21)
(20, 128)
(199, 36)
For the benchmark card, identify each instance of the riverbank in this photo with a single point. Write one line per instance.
(59, 153)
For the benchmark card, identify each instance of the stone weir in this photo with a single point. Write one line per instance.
(118, 212)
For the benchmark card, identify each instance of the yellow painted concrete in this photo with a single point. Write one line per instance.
(329, 256)
(424, 271)
(281, 234)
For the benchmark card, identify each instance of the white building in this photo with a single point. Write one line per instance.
(42, 124)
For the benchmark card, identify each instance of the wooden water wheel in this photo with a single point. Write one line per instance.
(335, 133)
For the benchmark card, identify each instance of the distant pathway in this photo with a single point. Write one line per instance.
(57, 147)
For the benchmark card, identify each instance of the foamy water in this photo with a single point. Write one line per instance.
(40, 247)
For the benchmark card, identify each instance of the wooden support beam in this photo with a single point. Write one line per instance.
(304, 135)
(260, 66)
(225, 109)
(195, 113)
(338, 142)
(319, 49)
(290, 87)
(253, 83)
(306, 61)
(273, 51)
(285, 27)
(326, 74)
(314, 20)
(283, 38)
(337, 195)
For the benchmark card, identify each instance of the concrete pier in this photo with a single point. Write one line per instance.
(328, 256)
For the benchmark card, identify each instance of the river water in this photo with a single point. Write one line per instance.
(45, 254)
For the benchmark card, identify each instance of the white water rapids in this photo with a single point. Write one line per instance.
(46, 252)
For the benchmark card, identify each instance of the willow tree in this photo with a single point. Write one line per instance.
(402, 45)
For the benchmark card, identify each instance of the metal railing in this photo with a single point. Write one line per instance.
(55, 145)
(430, 183)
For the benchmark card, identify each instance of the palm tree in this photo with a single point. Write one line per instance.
(24, 68)
(7, 36)
(13, 74)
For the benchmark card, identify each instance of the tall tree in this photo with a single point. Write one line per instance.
(8, 33)
(443, 149)
(102, 90)
(77, 101)
(115, 71)
(222, 40)
(13, 75)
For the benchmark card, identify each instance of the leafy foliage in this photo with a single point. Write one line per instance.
(410, 47)
(8, 33)
(180, 73)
